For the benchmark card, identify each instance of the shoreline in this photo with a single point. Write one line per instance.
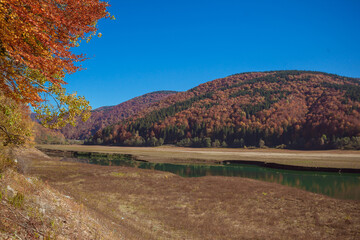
(293, 168)
(332, 161)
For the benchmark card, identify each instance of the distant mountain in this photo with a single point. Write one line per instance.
(105, 116)
(299, 109)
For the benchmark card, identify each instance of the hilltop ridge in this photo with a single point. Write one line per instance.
(301, 109)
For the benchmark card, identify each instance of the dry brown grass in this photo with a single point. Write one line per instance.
(31, 209)
(146, 204)
(331, 158)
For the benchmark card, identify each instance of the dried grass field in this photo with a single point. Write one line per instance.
(148, 204)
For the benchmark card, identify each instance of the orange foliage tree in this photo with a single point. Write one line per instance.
(36, 38)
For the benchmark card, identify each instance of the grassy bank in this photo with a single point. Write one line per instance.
(31, 209)
(325, 159)
(147, 204)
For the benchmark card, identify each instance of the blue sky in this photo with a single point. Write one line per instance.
(176, 45)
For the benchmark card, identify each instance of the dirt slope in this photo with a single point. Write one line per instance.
(31, 209)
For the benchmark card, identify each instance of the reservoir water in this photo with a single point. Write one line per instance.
(337, 185)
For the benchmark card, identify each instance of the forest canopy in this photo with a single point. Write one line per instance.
(283, 109)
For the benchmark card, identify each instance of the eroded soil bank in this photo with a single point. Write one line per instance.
(148, 204)
(31, 209)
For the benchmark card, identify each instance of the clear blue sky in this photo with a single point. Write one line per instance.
(176, 45)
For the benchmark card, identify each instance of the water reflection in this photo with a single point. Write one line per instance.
(344, 186)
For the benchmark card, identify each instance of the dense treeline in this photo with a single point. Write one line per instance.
(292, 109)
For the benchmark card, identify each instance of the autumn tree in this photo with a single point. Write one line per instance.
(15, 128)
(36, 38)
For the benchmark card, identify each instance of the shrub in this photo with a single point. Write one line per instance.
(216, 143)
(206, 142)
(6, 160)
(348, 143)
(17, 200)
(262, 144)
(186, 142)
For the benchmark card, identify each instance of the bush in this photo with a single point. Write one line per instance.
(135, 141)
(196, 142)
(17, 200)
(6, 159)
(206, 142)
(15, 122)
(262, 144)
(216, 143)
(152, 142)
(224, 144)
(186, 142)
(238, 143)
(348, 143)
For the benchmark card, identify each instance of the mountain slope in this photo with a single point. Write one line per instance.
(295, 108)
(44, 135)
(105, 116)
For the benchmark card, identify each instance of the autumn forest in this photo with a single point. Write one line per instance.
(282, 109)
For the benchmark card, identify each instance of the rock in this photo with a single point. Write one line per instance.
(11, 192)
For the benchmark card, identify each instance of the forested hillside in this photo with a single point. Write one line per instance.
(44, 135)
(295, 109)
(105, 116)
